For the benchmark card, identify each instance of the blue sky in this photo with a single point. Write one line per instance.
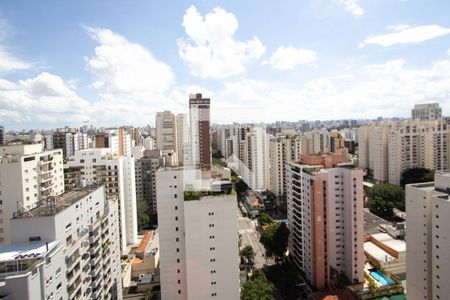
(118, 62)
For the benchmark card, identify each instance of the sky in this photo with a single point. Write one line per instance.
(118, 62)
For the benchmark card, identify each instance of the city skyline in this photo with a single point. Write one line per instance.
(116, 64)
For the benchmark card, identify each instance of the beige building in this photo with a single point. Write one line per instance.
(282, 150)
(166, 131)
(378, 152)
(428, 239)
(417, 144)
(325, 215)
(28, 176)
(427, 111)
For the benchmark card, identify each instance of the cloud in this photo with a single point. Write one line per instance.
(286, 58)
(448, 52)
(352, 7)
(9, 62)
(44, 98)
(210, 49)
(389, 89)
(126, 69)
(407, 35)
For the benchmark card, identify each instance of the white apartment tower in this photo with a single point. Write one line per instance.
(199, 257)
(378, 152)
(117, 173)
(325, 215)
(200, 138)
(183, 132)
(428, 239)
(282, 150)
(28, 176)
(74, 239)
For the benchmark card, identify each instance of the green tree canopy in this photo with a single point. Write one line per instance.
(257, 288)
(384, 197)
(275, 240)
(247, 253)
(264, 219)
(417, 175)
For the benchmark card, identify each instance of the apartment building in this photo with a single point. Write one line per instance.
(183, 144)
(28, 176)
(200, 138)
(427, 111)
(282, 150)
(378, 153)
(146, 168)
(68, 248)
(254, 163)
(428, 238)
(2, 135)
(417, 144)
(117, 173)
(166, 131)
(325, 215)
(199, 254)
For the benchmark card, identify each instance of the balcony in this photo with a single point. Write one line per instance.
(72, 259)
(72, 288)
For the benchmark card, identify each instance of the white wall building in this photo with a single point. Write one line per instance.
(83, 258)
(428, 239)
(28, 175)
(199, 257)
(118, 175)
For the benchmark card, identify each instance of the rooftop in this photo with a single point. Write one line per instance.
(25, 251)
(377, 253)
(397, 245)
(55, 204)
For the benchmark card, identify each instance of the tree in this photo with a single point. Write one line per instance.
(275, 240)
(257, 288)
(384, 197)
(142, 213)
(417, 175)
(248, 254)
(285, 278)
(264, 219)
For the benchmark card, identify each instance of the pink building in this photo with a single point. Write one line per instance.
(325, 214)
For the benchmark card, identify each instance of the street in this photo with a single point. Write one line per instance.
(250, 236)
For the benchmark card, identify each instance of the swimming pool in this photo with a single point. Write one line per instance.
(381, 278)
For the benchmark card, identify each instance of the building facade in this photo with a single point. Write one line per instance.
(198, 239)
(83, 224)
(28, 176)
(428, 240)
(117, 173)
(200, 138)
(325, 215)
(427, 111)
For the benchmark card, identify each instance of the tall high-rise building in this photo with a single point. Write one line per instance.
(325, 215)
(28, 176)
(200, 138)
(146, 168)
(166, 131)
(117, 173)
(2, 135)
(283, 149)
(66, 248)
(428, 239)
(199, 257)
(378, 152)
(183, 144)
(427, 111)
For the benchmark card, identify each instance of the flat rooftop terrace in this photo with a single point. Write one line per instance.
(55, 204)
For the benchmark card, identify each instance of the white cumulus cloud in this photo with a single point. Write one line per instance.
(285, 58)
(210, 49)
(352, 7)
(407, 35)
(126, 69)
(44, 98)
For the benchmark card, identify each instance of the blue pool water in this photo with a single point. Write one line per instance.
(381, 278)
